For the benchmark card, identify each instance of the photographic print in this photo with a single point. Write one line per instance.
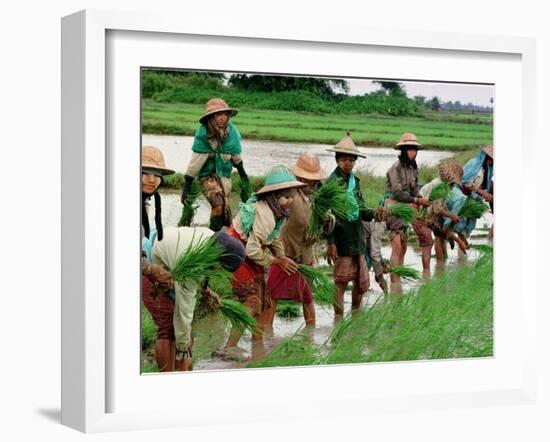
(304, 221)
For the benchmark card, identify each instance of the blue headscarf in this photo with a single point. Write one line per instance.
(472, 168)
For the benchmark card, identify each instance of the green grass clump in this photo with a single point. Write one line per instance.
(405, 272)
(442, 190)
(288, 309)
(297, 350)
(199, 261)
(148, 329)
(238, 315)
(321, 284)
(190, 208)
(472, 209)
(402, 211)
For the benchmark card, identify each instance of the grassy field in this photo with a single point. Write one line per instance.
(451, 316)
(438, 130)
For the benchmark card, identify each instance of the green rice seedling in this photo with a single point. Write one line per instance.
(238, 315)
(442, 190)
(321, 284)
(405, 272)
(296, 350)
(288, 309)
(340, 330)
(402, 211)
(472, 209)
(199, 261)
(190, 208)
(333, 198)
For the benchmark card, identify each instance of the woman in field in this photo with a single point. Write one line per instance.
(402, 186)
(258, 225)
(297, 244)
(216, 150)
(346, 244)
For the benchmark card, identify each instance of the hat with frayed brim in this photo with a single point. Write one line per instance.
(279, 178)
(216, 105)
(488, 150)
(451, 171)
(152, 161)
(308, 167)
(347, 147)
(408, 139)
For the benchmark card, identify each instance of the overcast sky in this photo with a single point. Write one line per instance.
(465, 93)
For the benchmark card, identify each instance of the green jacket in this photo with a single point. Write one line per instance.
(216, 164)
(349, 236)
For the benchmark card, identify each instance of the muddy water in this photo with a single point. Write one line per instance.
(260, 155)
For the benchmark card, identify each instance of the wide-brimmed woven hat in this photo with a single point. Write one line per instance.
(152, 161)
(408, 139)
(347, 146)
(308, 166)
(451, 171)
(488, 150)
(278, 178)
(215, 105)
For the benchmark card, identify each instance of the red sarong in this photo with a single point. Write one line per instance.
(291, 287)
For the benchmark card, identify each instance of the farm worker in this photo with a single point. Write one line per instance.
(478, 179)
(216, 150)
(297, 244)
(156, 281)
(449, 172)
(166, 253)
(258, 226)
(347, 243)
(402, 186)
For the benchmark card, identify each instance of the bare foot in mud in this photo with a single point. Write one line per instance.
(230, 354)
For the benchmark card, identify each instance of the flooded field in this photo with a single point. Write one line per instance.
(260, 155)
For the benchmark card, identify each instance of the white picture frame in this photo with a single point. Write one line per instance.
(88, 204)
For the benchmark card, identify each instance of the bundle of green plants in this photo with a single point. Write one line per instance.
(199, 261)
(288, 309)
(333, 198)
(402, 211)
(296, 350)
(238, 315)
(442, 190)
(190, 207)
(321, 284)
(472, 209)
(341, 329)
(405, 272)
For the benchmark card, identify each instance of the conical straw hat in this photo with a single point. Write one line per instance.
(278, 178)
(152, 161)
(488, 150)
(347, 146)
(308, 166)
(408, 139)
(217, 105)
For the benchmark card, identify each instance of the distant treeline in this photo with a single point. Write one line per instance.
(270, 92)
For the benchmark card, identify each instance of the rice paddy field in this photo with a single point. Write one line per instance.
(436, 130)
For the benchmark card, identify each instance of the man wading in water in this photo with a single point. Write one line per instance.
(216, 150)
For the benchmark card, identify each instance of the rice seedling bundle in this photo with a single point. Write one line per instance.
(288, 309)
(333, 198)
(190, 208)
(402, 211)
(340, 330)
(405, 272)
(200, 260)
(442, 190)
(321, 284)
(238, 315)
(472, 209)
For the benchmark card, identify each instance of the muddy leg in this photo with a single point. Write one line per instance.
(395, 255)
(165, 350)
(440, 249)
(356, 297)
(426, 255)
(309, 313)
(339, 298)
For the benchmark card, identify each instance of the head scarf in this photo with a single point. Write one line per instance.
(404, 159)
(215, 134)
(234, 251)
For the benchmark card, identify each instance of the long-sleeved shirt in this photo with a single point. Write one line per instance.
(402, 182)
(293, 233)
(349, 236)
(258, 239)
(198, 160)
